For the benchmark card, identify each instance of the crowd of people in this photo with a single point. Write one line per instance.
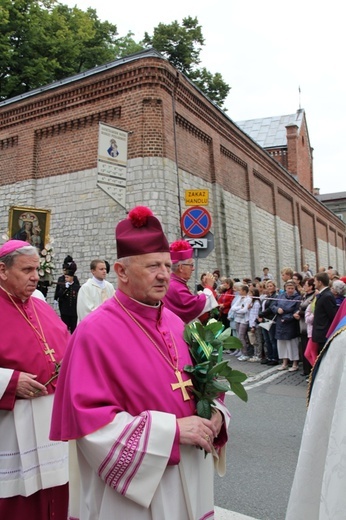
(280, 326)
(106, 371)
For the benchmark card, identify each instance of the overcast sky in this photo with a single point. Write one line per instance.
(265, 51)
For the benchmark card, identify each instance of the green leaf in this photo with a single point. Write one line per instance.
(211, 375)
(232, 343)
(226, 371)
(225, 334)
(209, 336)
(187, 335)
(199, 328)
(236, 376)
(218, 368)
(215, 327)
(239, 390)
(204, 409)
(215, 343)
(222, 386)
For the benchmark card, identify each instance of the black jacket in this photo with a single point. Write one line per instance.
(325, 310)
(67, 299)
(268, 312)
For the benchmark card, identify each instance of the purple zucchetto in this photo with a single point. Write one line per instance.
(12, 245)
(180, 250)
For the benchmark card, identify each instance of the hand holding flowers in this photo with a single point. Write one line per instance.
(211, 376)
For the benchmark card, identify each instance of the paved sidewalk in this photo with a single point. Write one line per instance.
(225, 514)
(257, 372)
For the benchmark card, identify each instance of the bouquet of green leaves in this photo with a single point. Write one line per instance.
(211, 376)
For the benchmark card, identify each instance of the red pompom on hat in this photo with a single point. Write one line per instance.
(140, 233)
(180, 250)
(12, 245)
(139, 215)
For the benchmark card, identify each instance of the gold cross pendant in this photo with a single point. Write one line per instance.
(182, 385)
(49, 352)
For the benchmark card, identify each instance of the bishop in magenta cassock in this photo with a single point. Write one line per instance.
(124, 398)
(33, 469)
(179, 299)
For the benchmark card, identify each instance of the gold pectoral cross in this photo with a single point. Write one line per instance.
(182, 385)
(49, 352)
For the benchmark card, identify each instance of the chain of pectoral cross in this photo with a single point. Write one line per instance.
(181, 384)
(49, 351)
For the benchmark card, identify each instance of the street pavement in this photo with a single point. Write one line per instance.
(264, 443)
(257, 372)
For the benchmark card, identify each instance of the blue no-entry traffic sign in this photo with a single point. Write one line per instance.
(196, 222)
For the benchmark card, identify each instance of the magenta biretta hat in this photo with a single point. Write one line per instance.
(140, 233)
(180, 250)
(12, 245)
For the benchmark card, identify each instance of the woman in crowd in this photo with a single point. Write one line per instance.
(201, 284)
(225, 300)
(267, 313)
(287, 327)
(241, 317)
(339, 290)
(230, 317)
(307, 297)
(217, 282)
(298, 280)
(255, 333)
(306, 273)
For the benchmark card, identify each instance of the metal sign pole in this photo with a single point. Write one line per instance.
(196, 269)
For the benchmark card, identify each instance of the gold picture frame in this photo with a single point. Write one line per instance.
(30, 224)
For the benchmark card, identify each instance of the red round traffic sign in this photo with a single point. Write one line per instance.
(196, 222)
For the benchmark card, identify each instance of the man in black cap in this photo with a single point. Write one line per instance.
(66, 294)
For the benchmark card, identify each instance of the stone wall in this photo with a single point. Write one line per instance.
(83, 219)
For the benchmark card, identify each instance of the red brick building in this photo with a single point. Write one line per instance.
(286, 139)
(263, 211)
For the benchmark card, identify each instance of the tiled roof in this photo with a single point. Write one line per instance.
(270, 132)
(332, 196)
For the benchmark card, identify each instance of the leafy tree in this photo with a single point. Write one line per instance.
(212, 85)
(44, 41)
(182, 45)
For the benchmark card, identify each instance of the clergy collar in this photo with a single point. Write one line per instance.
(100, 283)
(156, 306)
(151, 312)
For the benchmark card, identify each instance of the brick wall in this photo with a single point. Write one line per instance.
(304, 158)
(48, 158)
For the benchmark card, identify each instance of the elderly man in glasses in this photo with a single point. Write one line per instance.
(34, 471)
(179, 298)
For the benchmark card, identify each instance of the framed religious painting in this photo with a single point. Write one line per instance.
(30, 225)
